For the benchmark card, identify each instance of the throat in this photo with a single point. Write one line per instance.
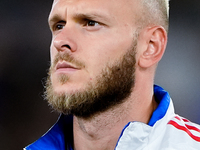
(100, 132)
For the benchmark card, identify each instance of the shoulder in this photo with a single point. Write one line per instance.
(184, 126)
(183, 133)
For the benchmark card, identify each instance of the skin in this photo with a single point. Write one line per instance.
(97, 44)
(79, 37)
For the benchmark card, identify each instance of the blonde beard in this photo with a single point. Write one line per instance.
(109, 89)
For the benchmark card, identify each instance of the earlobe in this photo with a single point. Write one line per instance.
(155, 39)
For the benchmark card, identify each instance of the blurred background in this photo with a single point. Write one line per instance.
(24, 59)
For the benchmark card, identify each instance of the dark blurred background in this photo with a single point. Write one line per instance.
(24, 59)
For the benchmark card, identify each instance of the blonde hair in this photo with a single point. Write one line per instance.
(155, 12)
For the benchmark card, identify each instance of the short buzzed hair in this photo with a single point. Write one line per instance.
(155, 12)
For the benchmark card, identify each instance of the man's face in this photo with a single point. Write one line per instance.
(93, 43)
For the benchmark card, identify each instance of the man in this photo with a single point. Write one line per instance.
(104, 55)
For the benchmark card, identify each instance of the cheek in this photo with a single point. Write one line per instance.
(107, 51)
(53, 53)
(104, 50)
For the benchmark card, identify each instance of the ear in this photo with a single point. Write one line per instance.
(155, 41)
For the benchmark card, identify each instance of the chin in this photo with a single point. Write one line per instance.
(62, 89)
(66, 88)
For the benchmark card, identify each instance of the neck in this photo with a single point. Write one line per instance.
(101, 132)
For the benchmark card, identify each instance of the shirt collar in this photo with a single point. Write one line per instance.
(60, 136)
(163, 99)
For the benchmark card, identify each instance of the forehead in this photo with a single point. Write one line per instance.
(117, 8)
(92, 1)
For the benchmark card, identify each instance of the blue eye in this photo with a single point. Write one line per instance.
(92, 23)
(59, 26)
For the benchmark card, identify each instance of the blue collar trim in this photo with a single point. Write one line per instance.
(163, 99)
(59, 137)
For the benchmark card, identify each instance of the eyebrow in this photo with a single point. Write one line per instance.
(54, 18)
(79, 16)
(90, 16)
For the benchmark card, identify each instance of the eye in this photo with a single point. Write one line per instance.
(92, 23)
(59, 25)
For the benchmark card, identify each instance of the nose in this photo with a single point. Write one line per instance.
(65, 40)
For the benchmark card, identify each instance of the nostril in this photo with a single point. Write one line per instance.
(67, 46)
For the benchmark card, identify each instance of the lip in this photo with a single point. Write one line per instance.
(65, 67)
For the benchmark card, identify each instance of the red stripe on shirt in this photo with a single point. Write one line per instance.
(183, 128)
(188, 126)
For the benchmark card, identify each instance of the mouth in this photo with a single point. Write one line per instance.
(64, 66)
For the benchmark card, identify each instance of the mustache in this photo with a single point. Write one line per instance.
(68, 58)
